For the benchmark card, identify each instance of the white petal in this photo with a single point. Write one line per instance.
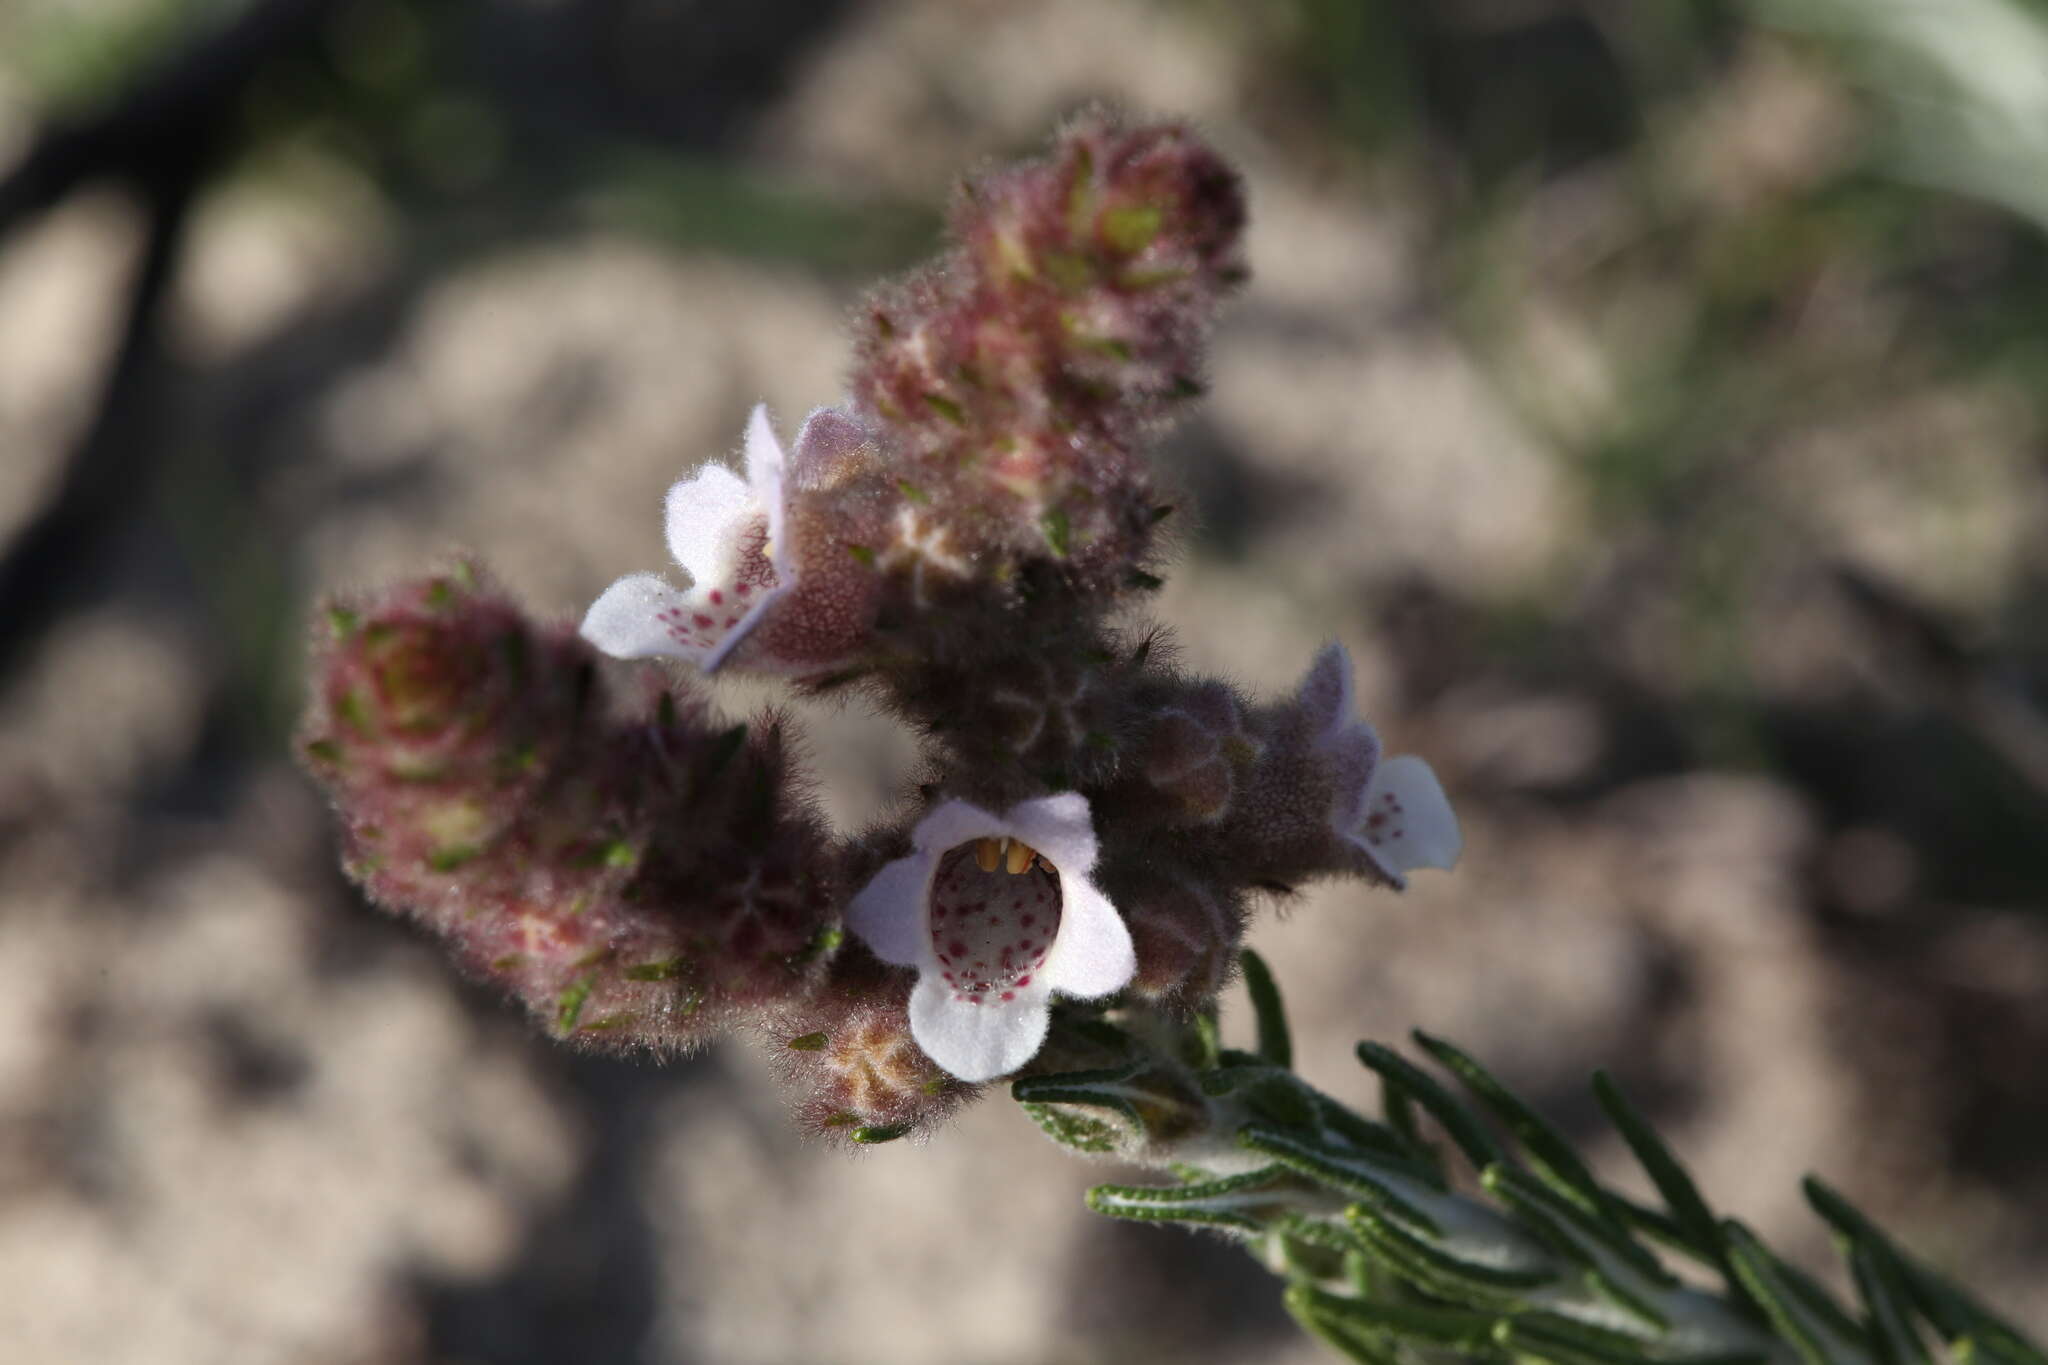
(719, 652)
(1325, 691)
(1092, 954)
(889, 913)
(1059, 827)
(1408, 821)
(977, 1042)
(765, 467)
(704, 515)
(953, 823)
(626, 620)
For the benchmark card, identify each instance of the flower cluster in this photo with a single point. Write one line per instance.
(960, 541)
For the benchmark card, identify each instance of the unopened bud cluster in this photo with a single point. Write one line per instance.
(638, 875)
(1095, 826)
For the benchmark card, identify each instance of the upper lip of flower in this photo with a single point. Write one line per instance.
(1393, 810)
(708, 519)
(979, 1034)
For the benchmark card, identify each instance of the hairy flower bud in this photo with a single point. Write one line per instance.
(1193, 753)
(632, 882)
(437, 712)
(1019, 374)
(1186, 931)
(848, 1054)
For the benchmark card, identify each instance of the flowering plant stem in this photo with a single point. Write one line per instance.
(1392, 1255)
(1064, 897)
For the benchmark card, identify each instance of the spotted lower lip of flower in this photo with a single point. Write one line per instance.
(997, 913)
(729, 536)
(1394, 811)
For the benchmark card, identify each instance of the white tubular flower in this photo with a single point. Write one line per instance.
(729, 536)
(997, 913)
(1393, 811)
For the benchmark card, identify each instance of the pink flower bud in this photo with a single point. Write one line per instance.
(1020, 375)
(1193, 752)
(633, 883)
(1186, 934)
(848, 1054)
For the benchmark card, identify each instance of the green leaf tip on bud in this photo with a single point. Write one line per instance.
(1058, 531)
(569, 1007)
(1131, 229)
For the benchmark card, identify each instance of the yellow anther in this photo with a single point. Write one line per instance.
(987, 853)
(1021, 855)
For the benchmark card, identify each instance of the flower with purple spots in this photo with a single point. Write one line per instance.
(997, 913)
(1392, 811)
(728, 535)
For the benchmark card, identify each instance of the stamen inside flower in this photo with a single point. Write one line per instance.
(995, 911)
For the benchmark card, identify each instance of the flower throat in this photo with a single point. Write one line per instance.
(995, 910)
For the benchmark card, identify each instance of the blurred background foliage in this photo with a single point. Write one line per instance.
(1656, 392)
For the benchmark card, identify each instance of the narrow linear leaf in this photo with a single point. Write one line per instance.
(1436, 1271)
(1890, 1310)
(1454, 1328)
(1762, 1275)
(1230, 1202)
(1954, 1315)
(1548, 1150)
(1657, 1224)
(1342, 1335)
(1399, 1107)
(1568, 1342)
(1208, 1041)
(1622, 1299)
(1368, 1136)
(1321, 1233)
(1350, 1174)
(1541, 1200)
(1275, 1044)
(1105, 1089)
(1397, 1072)
(1079, 1131)
(1281, 1098)
(1695, 1221)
